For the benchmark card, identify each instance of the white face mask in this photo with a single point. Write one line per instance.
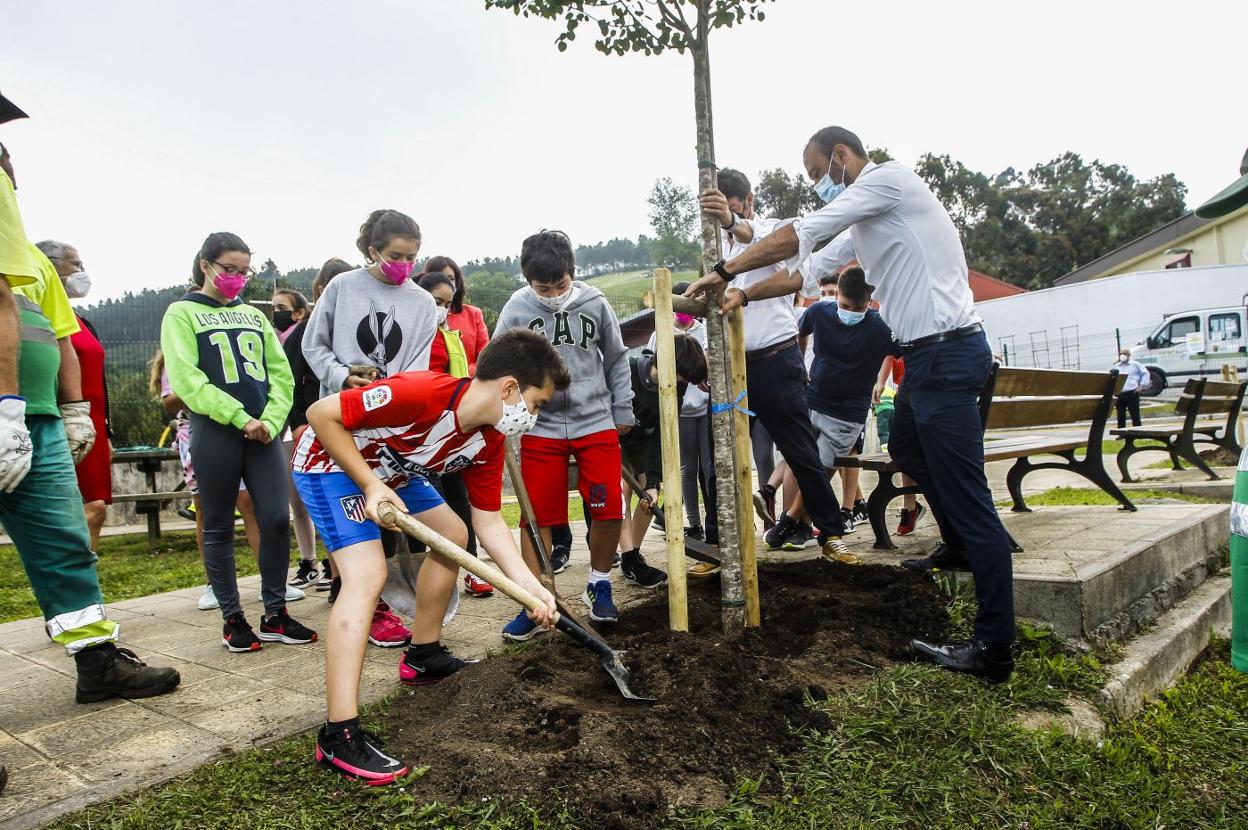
(78, 285)
(552, 303)
(827, 299)
(442, 311)
(516, 420)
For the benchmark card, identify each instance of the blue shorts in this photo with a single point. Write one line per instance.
(336, 506)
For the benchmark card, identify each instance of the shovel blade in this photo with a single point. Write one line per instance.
(399, 592)
(615, 668)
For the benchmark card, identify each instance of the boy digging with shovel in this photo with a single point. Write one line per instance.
(376, 444)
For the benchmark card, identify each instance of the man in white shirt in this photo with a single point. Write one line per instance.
(775, 371)
(1138, 380)
(911, 253)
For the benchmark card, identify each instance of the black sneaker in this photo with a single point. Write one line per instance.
(306, 576)
(862, 513)
(802, 537)
(778, 535)
(847, 520)
(354, 752)
(765, 505)
(633, 566)
(942, 558)
(282, 628)
(334, 587)
(238, 635)
(326, 580)
(105, 672)
(560, 555)
(694, 532)
(422, 666)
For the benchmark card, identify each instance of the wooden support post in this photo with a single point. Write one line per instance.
(669, 430)
(744, 479)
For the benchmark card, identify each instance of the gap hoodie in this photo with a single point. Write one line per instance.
(587, 336)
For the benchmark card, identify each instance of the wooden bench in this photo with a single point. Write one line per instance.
(149, 504)
(1015, 398)
(1201, 398)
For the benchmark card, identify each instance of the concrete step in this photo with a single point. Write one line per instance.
(1124, 572)
(1160, 655)
(1219, 490)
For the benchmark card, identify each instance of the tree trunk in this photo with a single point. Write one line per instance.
(732, 599)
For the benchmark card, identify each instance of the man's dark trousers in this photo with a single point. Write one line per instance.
(1128, 402)
(777, 389)
(937, 439)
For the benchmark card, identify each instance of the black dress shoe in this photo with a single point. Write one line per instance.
(994, 663)
(942, 557)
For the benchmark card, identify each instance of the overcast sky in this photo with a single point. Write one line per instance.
(156, 122)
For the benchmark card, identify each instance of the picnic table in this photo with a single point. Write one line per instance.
(149, 460)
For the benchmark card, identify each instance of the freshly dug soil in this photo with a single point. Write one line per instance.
(548, 725)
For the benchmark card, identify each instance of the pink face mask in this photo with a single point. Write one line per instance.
(396, 272)
(685, 320)
(230, 285)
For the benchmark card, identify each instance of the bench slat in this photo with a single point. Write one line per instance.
(1028, 412)
(1211, 405)
(170, 496)
(1222, 389)
(1013, 381)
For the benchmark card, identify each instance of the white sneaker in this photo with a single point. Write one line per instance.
(293, 594)
(208, 601)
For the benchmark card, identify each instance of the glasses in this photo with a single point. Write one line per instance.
(232, 271)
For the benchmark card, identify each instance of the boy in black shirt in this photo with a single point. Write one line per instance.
(851, 341)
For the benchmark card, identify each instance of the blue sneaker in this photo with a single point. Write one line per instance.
(597, 597)
(522, 629)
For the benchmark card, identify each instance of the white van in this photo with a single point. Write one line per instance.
(1194, 344)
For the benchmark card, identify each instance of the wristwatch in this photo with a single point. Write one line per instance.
(722, 271)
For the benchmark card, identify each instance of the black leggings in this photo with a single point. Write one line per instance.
(222, 457)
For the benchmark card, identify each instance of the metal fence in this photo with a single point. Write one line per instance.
(130, 333)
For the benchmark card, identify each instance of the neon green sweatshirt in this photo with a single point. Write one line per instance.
(225, 362)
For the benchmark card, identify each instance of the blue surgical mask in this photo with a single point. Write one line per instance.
(827, 189)
(850, 318)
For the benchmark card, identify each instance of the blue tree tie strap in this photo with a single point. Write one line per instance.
(730, 405)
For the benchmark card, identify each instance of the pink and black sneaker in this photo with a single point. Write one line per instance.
(424, 665)
(354, 753)
(387, 630)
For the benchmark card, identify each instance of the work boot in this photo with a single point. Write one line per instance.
(942, 558)
(105, 672)
(994, 663)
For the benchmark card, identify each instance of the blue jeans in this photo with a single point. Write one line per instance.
(938, 440)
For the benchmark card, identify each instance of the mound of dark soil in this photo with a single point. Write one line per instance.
(1219, 457)
(547, 724)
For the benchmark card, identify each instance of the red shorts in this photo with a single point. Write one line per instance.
(95, 471)
(544, 465)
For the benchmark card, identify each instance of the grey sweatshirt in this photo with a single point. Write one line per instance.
(587, 336)
(359, 320)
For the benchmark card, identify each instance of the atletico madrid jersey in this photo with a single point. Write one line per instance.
(406, 426)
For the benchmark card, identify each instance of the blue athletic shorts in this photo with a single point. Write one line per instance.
(336, 506)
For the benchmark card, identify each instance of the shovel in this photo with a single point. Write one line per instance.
(483, 570)
(399, 592)
(694, 548)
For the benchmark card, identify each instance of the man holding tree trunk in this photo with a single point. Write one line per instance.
(912, 254)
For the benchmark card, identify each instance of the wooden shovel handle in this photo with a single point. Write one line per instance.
(441, 545)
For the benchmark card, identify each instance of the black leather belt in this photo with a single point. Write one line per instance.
(952, 334)
(770, 351)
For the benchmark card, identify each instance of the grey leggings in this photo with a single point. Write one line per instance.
(696, 465)
(222, 457)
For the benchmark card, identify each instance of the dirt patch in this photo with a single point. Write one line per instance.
(1219, 457)
(548, 725)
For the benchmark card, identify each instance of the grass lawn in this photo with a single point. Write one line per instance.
(1076, 496)
(915, 747)
(633, 283)
(129, 568)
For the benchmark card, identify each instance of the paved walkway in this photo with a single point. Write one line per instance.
(62, 755)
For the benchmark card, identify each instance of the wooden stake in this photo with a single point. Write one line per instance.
(669, 430)
(744, 480)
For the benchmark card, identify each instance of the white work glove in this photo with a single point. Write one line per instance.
(16, 449)
(76, 416)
